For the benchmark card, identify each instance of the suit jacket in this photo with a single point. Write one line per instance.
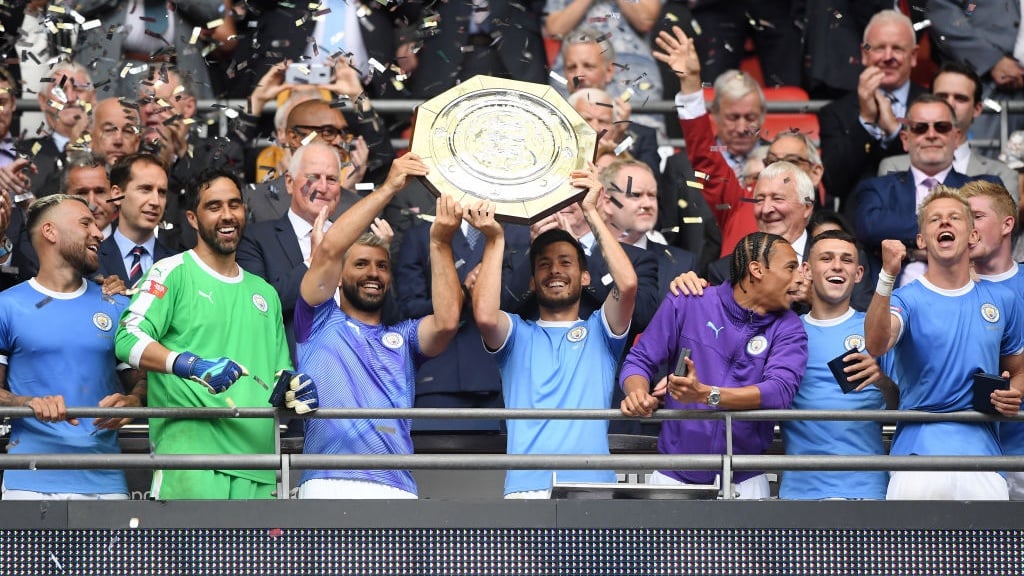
(111, 261)
(645, 146)
(516, 27)
(465, 366)
(49, 162)
(980, 38)
(672, 262)
(684, 208)
(887, 208)
(976, 166)
(833, 44)
(101, 47)
(848, 152)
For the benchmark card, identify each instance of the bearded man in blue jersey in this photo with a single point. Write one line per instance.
(357, 361)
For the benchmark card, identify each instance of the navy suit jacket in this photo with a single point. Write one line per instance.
(672, 262)
(887, 207)
(111, 261)
(464, 366)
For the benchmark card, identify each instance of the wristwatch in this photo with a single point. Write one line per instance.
(714, 397)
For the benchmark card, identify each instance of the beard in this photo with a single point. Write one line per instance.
(558, 303)
(208, 234)
(360, 302)
(79, 257)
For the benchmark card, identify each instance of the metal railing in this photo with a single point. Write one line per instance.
(218, 109)
(727, 462)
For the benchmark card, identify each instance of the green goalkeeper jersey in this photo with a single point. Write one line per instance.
(184, 305)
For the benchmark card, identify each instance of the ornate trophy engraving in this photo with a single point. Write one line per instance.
(513, 143)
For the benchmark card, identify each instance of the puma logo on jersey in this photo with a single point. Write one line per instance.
(717, 330)
(205, 295)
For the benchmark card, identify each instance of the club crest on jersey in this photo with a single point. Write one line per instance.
(392, 340)
(854, 342)
(102, 321)
(576, 334)
(259, 302)
(757, 345)
(990, 313)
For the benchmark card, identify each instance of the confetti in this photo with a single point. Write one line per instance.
(231, 404)
(624, 145)
(195, 35)
(309, 137)
(53, 558)
(695, 184)
(133, 523)
(692, 220)
(992, 105)
(918, 26)
(364, 186)
(615, 201)
(558, 78)
(970, 9)
(696, 26)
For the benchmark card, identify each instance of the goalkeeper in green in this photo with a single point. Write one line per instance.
(210, 334)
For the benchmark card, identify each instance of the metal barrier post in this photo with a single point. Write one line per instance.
(727, 461)
(283, 480)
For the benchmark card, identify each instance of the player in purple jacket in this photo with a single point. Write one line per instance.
(749, 351)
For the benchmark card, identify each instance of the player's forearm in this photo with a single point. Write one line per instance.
(344, 232)
(641, 14)
(560, 23)
(444, 286)
(487, 292)
(877, 325)
(9, 399)
(619, 265)
(157, 358)
(635, 383)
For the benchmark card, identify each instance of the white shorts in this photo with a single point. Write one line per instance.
(31, 495)
(529, 495)
(755, 488)
(348, 489)
(946, 486)
(1015, 480)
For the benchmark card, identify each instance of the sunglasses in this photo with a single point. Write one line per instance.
(327, 132)
(921, 128)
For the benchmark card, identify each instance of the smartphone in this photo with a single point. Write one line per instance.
(681, 367)
(984, 386)
(307, 74)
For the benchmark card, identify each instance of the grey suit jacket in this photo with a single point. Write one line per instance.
(100, 48)
(980, 37)
(976, 166)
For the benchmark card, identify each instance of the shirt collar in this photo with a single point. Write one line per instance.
(301, 227)
(60, 141)
(920, 177)
(902, 93)
(125, 246)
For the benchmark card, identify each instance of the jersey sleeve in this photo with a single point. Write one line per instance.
(309, 320)
(898, 307)
(1013, 336)
(6, 335)
(657, 343)
(149, 314)
(786, 363)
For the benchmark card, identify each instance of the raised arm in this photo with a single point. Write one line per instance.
(324, 273)
(492, 322)
(437, 330)
(618, 306)
(881, 327)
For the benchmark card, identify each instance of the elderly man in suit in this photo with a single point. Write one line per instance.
(861, 128)
(279, 250)
(887, 205)
(960, 85)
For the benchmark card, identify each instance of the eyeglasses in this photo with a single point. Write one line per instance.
(921, 128)
(791, 158)
(327, 132)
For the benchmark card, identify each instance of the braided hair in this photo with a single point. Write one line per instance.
(754, 247)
